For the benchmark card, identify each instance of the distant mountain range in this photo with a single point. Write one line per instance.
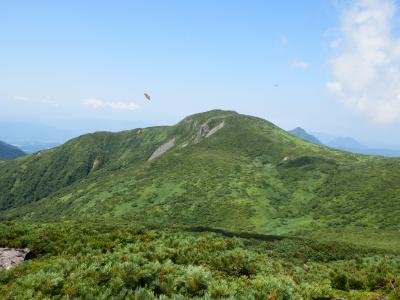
(301, 133)
(342, 143)
(32, 137)
(15, 132)
(35, 146)
(8, 151)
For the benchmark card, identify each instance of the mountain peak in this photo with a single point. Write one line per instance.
(299, 129)
(214, 113)
(301, 133)
(345, 142)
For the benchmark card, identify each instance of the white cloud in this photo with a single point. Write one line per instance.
(335, 44)
(298, 64)
(94, 103)
(123, 105)
(335, 87)
(48, 101)
(20, 98)
(366, 68)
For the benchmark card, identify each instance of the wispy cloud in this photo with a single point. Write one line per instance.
(49, 101)
(119, 105)
(46, 101)
(20, 98)
(93, 103)
(366, 67)
(96, 104)
(298, 64)
(334, 44)
(283, 40)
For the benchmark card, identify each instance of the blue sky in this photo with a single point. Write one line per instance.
(85, 64)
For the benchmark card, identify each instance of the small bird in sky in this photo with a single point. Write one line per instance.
(147, 96)
(276, 85)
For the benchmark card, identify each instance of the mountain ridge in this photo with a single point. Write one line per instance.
(8, 151)
(249, 175)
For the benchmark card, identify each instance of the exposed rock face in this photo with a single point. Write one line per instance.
(162, 149)
(96, 164)
(201, 132)
(204, 131)
(215, 129)
(10, 257)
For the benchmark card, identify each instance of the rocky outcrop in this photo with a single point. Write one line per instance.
(204, 131)
(162, 149)
(96, 164)
(215, 129)
(10, 257)
(201, 132)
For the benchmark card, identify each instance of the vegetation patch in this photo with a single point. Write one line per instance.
(126, 261)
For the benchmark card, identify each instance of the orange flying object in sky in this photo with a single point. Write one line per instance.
(147, 96)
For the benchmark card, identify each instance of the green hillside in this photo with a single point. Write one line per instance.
(247, 176)
(8, 151)
(219, 206)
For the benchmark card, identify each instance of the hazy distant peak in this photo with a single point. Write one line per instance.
(347, 142)
(301, 133)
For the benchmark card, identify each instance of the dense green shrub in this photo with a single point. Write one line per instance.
(125, 261)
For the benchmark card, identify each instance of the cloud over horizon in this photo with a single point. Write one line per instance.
(20, 98)
(366, 67)
(46, 101)
(96, 104)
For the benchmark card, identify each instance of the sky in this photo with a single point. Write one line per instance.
(327, 66)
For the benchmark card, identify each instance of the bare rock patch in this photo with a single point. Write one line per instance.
(205, 131)
(215, 129)
(10, 257)
(162, 149)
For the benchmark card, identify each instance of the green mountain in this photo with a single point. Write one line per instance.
(301, 133)
(8, 151)
(219, 206)
(216, 169)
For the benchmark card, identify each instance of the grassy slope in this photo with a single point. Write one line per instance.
(35, 176)
(249, 176)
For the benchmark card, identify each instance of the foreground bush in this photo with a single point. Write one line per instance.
(99, 261)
